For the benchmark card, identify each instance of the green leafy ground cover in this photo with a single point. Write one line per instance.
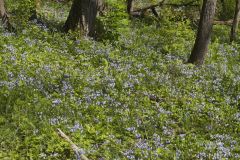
(133, 99)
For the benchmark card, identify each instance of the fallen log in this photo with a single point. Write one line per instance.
(228, 22)
(140, 12)
(149, 7)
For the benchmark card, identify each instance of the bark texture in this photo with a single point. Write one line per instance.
(83, 12)
(234, 28)
(204, 32)
(4, 16)
(74, 16)
(88, 18)
(129, 6)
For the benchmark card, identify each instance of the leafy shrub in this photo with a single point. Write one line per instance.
(22, 9)
(112, 23)
(226, 10)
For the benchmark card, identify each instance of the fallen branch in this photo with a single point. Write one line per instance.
(150, 7)
(79, 154)
(155, 98)
(167, 4)
(140, 12)
(228, 22)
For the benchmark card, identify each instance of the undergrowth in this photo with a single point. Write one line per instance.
(135, 98)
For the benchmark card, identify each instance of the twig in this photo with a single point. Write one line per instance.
(80, 155)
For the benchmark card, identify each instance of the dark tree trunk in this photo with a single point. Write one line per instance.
(204, 32)
(74, 16)
(88, 18)
(85, 12)
(129, 6)
(4, 17)
(234, 28)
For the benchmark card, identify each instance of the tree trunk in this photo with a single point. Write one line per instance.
(2, 8)
(4, 16)
(204, 32)
(234, 28)
(74, 16)
(88, 18)
(85, 12)
(129, 6)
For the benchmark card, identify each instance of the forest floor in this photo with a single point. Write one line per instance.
(134, 98)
